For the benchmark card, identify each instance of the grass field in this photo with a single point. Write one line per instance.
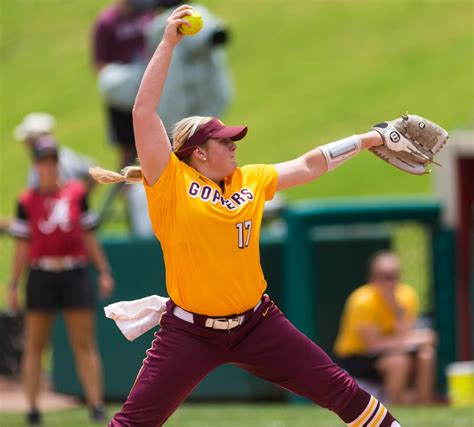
(200, 415)
(305, 72)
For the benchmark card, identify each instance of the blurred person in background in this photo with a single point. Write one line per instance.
(378, 340)
(54, 231)
(118, 38)
(72, 165)
(199, 82)
(118, 45)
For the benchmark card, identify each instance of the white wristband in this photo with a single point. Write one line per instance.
(337, 152)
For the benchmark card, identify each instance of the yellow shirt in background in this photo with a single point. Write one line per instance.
(366, 307)
(210, 237)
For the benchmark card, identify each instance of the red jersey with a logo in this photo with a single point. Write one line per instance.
(54, 222)
(119, 38)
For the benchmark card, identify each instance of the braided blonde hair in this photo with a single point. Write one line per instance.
(131, 174)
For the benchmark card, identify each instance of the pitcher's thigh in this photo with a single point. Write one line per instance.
(280, 353)
(174, 365)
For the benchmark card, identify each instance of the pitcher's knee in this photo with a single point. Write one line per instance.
(334, 390)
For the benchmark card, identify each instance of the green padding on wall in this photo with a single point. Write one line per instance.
(340, 265)
(444, 254)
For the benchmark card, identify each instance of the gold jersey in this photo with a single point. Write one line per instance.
(366, 307)
(210, 235)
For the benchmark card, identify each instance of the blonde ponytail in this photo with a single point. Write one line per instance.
(132, 174)
(129, 174)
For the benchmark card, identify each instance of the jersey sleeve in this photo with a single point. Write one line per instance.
(20, 225)
(89, 219)
(101, 36)
(165, 186)
(358, 312)
(266, 176)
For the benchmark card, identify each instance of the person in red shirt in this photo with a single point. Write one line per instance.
(54, 232)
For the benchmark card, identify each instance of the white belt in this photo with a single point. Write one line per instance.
(213, 322)
(58, 263)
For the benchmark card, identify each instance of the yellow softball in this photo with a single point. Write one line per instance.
(195, 19)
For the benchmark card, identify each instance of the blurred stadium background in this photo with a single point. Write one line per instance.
(305, 73)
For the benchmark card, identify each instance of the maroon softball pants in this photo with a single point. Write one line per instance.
(266, 345)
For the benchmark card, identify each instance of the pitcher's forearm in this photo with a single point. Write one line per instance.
(151, 87)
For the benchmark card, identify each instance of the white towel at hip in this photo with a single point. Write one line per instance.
(136, 317)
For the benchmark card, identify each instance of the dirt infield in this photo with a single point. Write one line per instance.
(12, 397)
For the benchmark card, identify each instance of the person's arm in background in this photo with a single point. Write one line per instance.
(20, 229)
(404, 341)
(361, 319)
(375, 342)
(405, 328)
(20, 257)
(403, 320)
(315, 163)
(151, 140)
(101, 37)
(4, 225)
(89, 223)
(404, 337)
(97, 255)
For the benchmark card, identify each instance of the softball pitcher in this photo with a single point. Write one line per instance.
(206, 212)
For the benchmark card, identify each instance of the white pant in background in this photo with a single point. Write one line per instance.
(138, 211)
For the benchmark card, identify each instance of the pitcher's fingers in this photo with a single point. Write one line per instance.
(181, 15)
(184, 9)
(180, 22)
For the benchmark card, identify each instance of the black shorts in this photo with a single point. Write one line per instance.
(121, 127)
(362, 367)
(49, 291)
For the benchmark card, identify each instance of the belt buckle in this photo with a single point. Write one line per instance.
(221, 324)
(224, 324)
(233, 323)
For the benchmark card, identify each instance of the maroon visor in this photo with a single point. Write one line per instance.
(212, 129)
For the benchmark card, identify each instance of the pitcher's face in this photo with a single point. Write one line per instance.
(221, 156)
